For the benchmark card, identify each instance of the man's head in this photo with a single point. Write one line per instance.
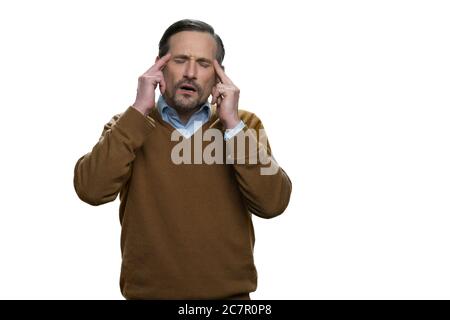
(193, 46)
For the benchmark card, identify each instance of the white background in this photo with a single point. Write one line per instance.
(355, 99)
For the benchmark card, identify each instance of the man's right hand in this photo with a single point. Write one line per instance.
(145, 96)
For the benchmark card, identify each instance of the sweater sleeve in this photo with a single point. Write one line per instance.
(264, 185)
(100, 174)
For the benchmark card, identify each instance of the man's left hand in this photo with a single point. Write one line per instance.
(226, 94)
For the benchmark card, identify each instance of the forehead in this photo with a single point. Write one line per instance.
(193, 43)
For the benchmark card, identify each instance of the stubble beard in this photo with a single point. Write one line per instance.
(185, 103)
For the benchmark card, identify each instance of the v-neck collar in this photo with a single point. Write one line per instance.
(213, 119)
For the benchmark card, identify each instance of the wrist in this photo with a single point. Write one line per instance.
(143, 110)
(231, 123)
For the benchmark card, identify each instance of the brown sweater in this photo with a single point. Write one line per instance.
(187, 229)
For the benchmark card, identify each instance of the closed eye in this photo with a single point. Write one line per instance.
(202, 62)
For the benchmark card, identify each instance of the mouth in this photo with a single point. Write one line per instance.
(187, 89)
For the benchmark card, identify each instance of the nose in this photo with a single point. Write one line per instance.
(190, 71)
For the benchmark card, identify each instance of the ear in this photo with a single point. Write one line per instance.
(217, 78)
(212, 90)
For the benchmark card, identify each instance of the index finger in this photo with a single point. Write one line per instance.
(219, 71)
(162, 61)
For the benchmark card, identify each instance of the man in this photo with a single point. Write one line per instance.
(187, 229)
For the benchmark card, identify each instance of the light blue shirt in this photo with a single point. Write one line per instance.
(196, 121)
